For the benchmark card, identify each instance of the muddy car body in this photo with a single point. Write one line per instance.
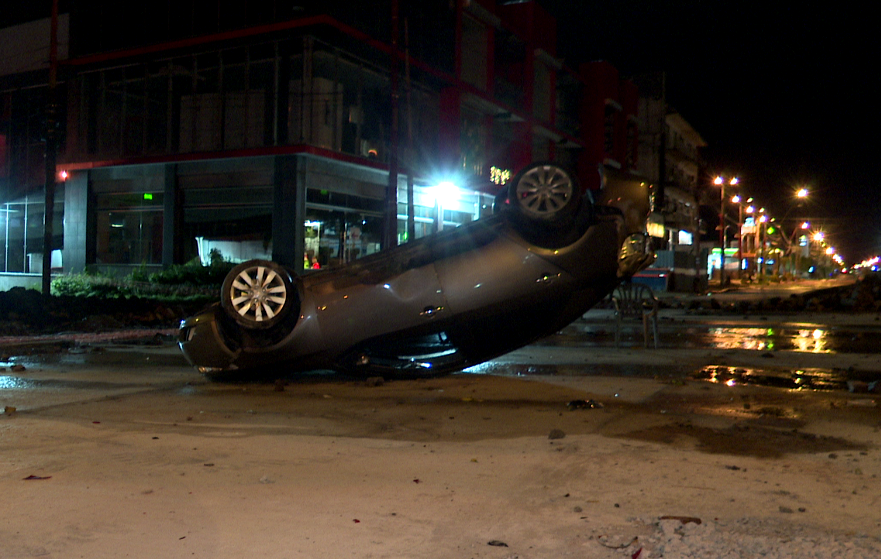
(438, 304)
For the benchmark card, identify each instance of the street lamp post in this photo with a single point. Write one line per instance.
(720, 182)
(760, 260)
(795, 246)
(753, 244)
(818, 237)
(801, 194)
(736, 199)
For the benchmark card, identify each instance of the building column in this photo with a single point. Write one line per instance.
(171, 217)
(76, 212)
(288, 213)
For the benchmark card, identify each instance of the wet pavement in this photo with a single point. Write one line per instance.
(780, 353)
(794, 351)
(726, 333)
(753, 417)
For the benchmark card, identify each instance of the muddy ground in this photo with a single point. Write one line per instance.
(153, 461)
(117, 448)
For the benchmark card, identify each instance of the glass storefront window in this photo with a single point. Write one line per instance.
(129, 237)
(341, 227)
(21, 236)
(457, 206)
(14, 233)
(129, 225)
(337, 237)
(237, 233)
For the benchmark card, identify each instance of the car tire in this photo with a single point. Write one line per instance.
(545, 193)
(258, 294)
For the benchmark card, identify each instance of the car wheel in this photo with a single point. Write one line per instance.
(545, 192)
(258, 294)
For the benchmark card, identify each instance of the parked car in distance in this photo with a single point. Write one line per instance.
(438, 304)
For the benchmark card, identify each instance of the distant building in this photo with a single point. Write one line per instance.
(669, 156)
(290, 130)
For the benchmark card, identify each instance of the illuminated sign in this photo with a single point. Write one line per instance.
(729, 252)
(499, 176)
(655, 230)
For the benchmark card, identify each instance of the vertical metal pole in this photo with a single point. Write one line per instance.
(51, 155)
(6, 239)
(739, 240)
(411, 204)
(722, 237)
(391, 195)
(761, 258)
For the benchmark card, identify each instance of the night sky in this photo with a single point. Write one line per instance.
(785, 97)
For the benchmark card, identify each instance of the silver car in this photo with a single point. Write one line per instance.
(438, 304)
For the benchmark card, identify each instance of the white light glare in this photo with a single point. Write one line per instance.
(445, 193)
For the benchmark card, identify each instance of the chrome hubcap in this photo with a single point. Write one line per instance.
(544, 190)
(258, 294)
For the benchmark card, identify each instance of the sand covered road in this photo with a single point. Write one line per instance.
(461, 466)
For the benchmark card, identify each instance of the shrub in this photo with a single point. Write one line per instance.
(181, 282)
(88, 285)
(194, 273)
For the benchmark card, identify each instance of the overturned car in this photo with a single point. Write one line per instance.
(438, 304)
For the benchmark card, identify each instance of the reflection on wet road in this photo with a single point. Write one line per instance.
(718, 335)
(8, 382)
(800, 379)
(125, 364)
(809, 338)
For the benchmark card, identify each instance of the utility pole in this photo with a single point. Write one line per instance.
(390, 239)
(51, 153)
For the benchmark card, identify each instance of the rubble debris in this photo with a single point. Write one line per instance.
(619, 546)
(584, 405)
(682, 519)
(862, 403)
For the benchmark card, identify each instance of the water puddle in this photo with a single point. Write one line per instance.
(9, 382)
(808, 338)
(15, 383)
(790, 379)
(601, 370)
(799, 379)
(60, 359)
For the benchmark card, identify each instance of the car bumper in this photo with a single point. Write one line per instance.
(202, 343)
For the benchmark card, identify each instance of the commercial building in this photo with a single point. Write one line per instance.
(669, 157)
(295, 131)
